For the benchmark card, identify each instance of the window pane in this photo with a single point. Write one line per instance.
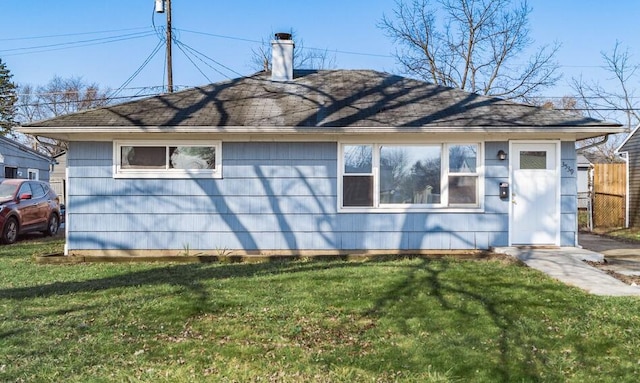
(192, 157)
(25, 189)
(410, 174)
(38, 191)
(357, 191)
(357, 158)
(463, 158)
(533, 160)
(10, 172)
(463, 190)
(143, 157)
(7, 190)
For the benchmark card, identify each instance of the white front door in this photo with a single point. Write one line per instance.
(535, 194)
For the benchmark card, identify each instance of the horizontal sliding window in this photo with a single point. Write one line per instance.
(409, 175)
(178, 159)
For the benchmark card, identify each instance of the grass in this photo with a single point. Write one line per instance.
(631, 234)
(583, 219)
(404, 320)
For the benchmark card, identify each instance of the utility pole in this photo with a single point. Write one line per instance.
(169, 42)
(160, 8)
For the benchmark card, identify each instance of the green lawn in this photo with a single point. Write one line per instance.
(406, 320)
(631, 234)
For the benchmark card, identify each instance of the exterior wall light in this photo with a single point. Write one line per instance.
(502, 155)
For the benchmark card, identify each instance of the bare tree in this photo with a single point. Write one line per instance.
(59, 96)
(614, 101)
(597, 149)
(475, 45)
(303, 58)
(617, 101)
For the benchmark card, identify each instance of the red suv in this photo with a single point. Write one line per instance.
(25, 206)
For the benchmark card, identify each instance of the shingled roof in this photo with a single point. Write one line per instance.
(324, 98)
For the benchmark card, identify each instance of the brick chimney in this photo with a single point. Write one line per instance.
(282, 57)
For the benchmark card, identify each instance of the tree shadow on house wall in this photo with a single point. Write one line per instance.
(316, 101)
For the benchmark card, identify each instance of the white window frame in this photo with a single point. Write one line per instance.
(119, 172)
(33, 171)
(443, 206)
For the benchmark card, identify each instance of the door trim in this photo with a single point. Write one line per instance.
(558, 213)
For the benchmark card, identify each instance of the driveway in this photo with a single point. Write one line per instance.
(621, 257)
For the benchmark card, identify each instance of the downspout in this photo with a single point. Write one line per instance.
(625, 157)
(604, 141)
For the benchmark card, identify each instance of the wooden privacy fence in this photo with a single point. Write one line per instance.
(609, 195)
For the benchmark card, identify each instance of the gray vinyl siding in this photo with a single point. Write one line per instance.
(273, 196)
(632, 146)
(22, 158)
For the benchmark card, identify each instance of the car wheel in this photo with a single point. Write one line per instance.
(10, 231)
(53, 225)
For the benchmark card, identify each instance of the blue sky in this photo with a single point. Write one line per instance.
(346, 28)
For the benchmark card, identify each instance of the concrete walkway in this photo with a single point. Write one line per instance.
(567, 265)
(607, 245)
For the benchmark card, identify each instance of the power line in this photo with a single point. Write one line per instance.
(221, 36)
(235, 38)
(75, 42)
(64, 92)
(198, 53)
(144, 64)
(102, 99)
(104, 41)
(72, 34)
(262, 42)
(179, 45)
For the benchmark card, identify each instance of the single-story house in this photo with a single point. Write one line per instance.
(319, 162)
(630, 149)
(20, 161)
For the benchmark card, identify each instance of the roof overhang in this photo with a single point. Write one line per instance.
(77, 133)
(619, 149)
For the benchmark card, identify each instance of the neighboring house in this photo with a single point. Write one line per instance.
(630, 148)
(58, 176)
(20, 161)
(319, 162)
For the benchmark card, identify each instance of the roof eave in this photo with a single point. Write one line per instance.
(580, 132)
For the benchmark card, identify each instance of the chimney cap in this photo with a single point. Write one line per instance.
(283, 36)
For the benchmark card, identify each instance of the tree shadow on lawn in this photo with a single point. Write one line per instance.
(474, 301)
(188, 275)
(422, 277)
